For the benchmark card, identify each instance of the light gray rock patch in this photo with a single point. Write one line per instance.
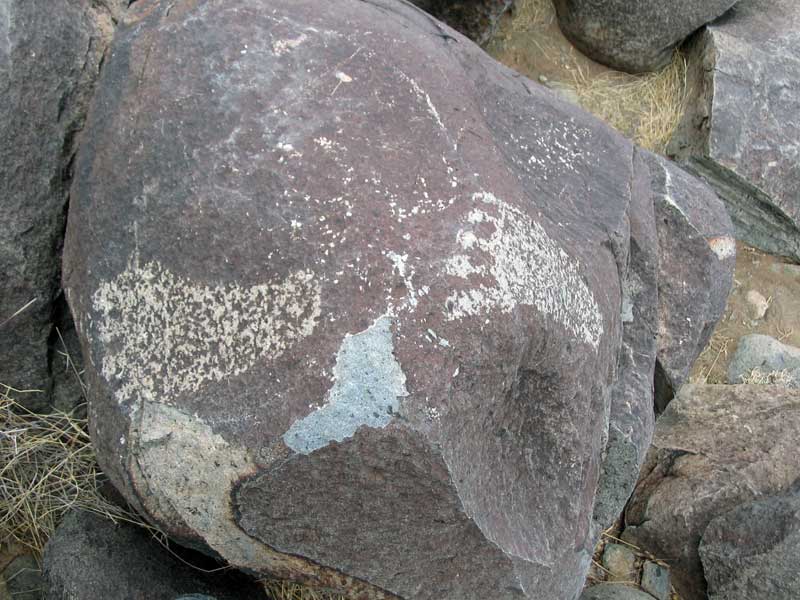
(368, 385)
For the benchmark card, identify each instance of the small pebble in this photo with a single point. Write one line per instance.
(620, 562)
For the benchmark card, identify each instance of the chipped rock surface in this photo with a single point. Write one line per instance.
(742, 131)
(345, 326)
(696, 258)
(634, 35)
(49, 60)
(714, 448)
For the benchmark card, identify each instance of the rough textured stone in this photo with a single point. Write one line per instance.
(22, 579)
(634, 35)
(477, 19)
(656, 581)
(50, 52)
(614, 591)
(715, 447)
(696, 258)
(346, 326)
(766, 354)
(742, 131)
(753, 551)
(91, 558)
(620, 562)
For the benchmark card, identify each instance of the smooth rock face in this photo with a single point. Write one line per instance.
(50, 53)
(714, 448)
(768, 355)
(92, 558)
(696, 259)
(634, 35)
(477, 19)
(753, 551)
(742, 129)
(345, 326)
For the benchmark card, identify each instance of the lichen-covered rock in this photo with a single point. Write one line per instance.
(346, 326)
(742, 127)
(696, 258)
(634, 35)
(753, 551)
(50, 52)
(714, 448)
(93, 558)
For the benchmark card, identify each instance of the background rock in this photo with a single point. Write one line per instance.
(252, 244)
(696, 259)
(92, 558)
(48, 63)
(634, 35)
(614, 591)
(766, 354)
(741, 129)
(753, 551)
(715, 447)
(477, 19)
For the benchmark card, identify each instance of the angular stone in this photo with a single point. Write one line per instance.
(753, 551)
(620, 562)
(634, 35)
(696, 259)
(477, 19)
(49, 60)
(614, 591)
(92, 558)
(655, 580)
(345, 326)
(742, 131)
(768, 355)
(715, 447)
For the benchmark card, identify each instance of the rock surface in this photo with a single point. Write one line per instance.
(656, 580)
(696, 259)
(715, 447)
(345, 326)
(634, 35)
(742, 130)
(768, 355)
(50, 54)
(753, 551)
(477, 19)
(91, 558)
(614, 591)
(620, 562)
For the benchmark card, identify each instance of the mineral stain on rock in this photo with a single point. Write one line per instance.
(368, 385)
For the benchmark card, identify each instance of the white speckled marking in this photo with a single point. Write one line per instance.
(368, 385)
(723, 246)
(165, 334)
(528, 267)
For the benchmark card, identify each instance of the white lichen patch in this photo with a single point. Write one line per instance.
(528, 268)
(164, 335)
(368, 384)
(723, 246)
(281, 47)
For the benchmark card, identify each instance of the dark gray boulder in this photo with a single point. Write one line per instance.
(50, 53)
(634, 35)
(741, 128)
(714, 448)
(696, 259)
(345, 326)
(753, 551)
(768, 355)
(92, 558)
(614, 591)
(477, 19)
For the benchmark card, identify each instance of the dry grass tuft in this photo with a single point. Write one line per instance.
(527, 15)
(47, 467)
(647, 108)
(759, 377)
(286, 590)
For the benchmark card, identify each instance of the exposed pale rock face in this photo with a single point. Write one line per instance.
(742, 131)
(634, 35)
(346, 326)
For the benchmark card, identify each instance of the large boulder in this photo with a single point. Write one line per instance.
(345, 326)
(714, 448)
(634, 35)
(741, 130)
(753, 551)
(50, 53)
(696, 259)
(92, 558)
